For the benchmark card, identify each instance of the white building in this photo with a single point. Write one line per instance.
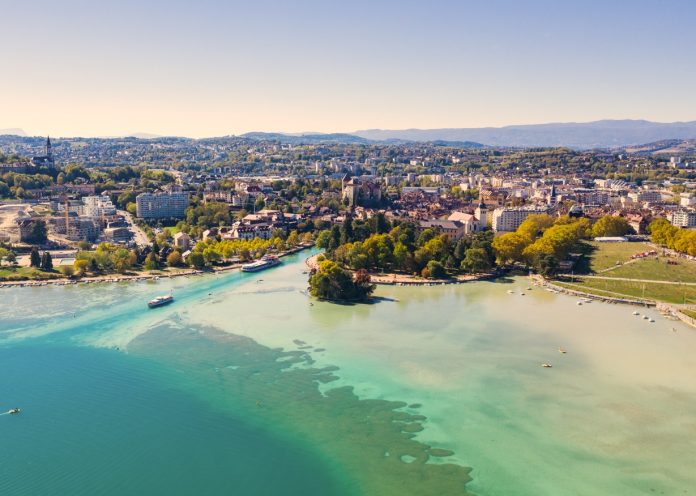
(684, 218)
(162, 205)
(98, 206)
(646, 196)
(687, 200)
(508, 219)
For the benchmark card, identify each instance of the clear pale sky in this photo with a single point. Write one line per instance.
(212, 68)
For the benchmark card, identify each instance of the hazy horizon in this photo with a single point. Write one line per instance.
(226, 68)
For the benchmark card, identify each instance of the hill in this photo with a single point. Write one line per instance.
(665, 147)
(14, 131)
(587, 135)
(308, 138)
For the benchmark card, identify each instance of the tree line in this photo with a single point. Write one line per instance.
(381, 245)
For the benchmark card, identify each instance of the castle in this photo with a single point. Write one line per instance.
(360, 191)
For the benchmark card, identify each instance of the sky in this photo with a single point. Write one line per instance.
(220, 67)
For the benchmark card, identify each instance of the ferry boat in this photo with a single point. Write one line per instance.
(160, 301)
(265, 263)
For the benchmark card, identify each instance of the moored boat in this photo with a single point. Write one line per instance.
(265, 263)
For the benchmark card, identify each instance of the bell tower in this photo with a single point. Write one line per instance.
(481, 214)
(49, 152)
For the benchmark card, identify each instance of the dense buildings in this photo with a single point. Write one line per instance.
(163, 205)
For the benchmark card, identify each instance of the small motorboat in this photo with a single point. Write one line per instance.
(636, 313)
(645, 317)
(510, 291)
(579, 303)
(521, 294)
(14, 411)
(562, 350)
(546, 365)
(651, 320)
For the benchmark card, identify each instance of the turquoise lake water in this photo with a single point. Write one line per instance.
(246, 386)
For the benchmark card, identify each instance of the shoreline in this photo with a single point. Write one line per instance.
(393, 279)
(140, 276)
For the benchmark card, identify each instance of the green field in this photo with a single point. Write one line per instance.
(602, 256)
(671, 293)
(656, 269)
(605, 255)
(689, 313)
(21, 273)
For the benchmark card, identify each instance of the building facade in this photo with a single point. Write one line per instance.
(162, 205)
(509, 218)
(684, 218)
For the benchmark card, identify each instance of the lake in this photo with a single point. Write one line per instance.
(245, 385)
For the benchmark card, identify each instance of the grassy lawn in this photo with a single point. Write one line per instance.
(657, 269)
(689, 313)
(605, 255)
(671, 293)
(21, 273)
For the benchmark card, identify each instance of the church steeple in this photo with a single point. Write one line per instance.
(481, 214)
(49, 153)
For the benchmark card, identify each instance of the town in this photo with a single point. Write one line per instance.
(111, 205)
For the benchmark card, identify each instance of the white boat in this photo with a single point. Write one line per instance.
(265, 263)
(636, 313)
(160, 301)
(546, 365)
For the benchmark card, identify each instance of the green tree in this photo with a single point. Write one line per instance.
(67, 270)
(611, 225)
(436, 270)
(476, 260)
(331, 282)
(46, 262)
(323, 239)
(174, 259)
(80, 267)
(122, 260)
(35, 257)
(508, 247)
(151, 262)
(196, 260)
(38, 233)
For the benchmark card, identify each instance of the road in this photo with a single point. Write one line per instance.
(139, 235)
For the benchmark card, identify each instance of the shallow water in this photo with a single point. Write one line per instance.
(370, 394)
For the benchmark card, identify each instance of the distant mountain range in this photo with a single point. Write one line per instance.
(597, 134)
(14, 131)
(341, 138)
(616, 134)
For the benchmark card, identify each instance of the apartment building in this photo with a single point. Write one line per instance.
(162, 205)
(509, 218)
